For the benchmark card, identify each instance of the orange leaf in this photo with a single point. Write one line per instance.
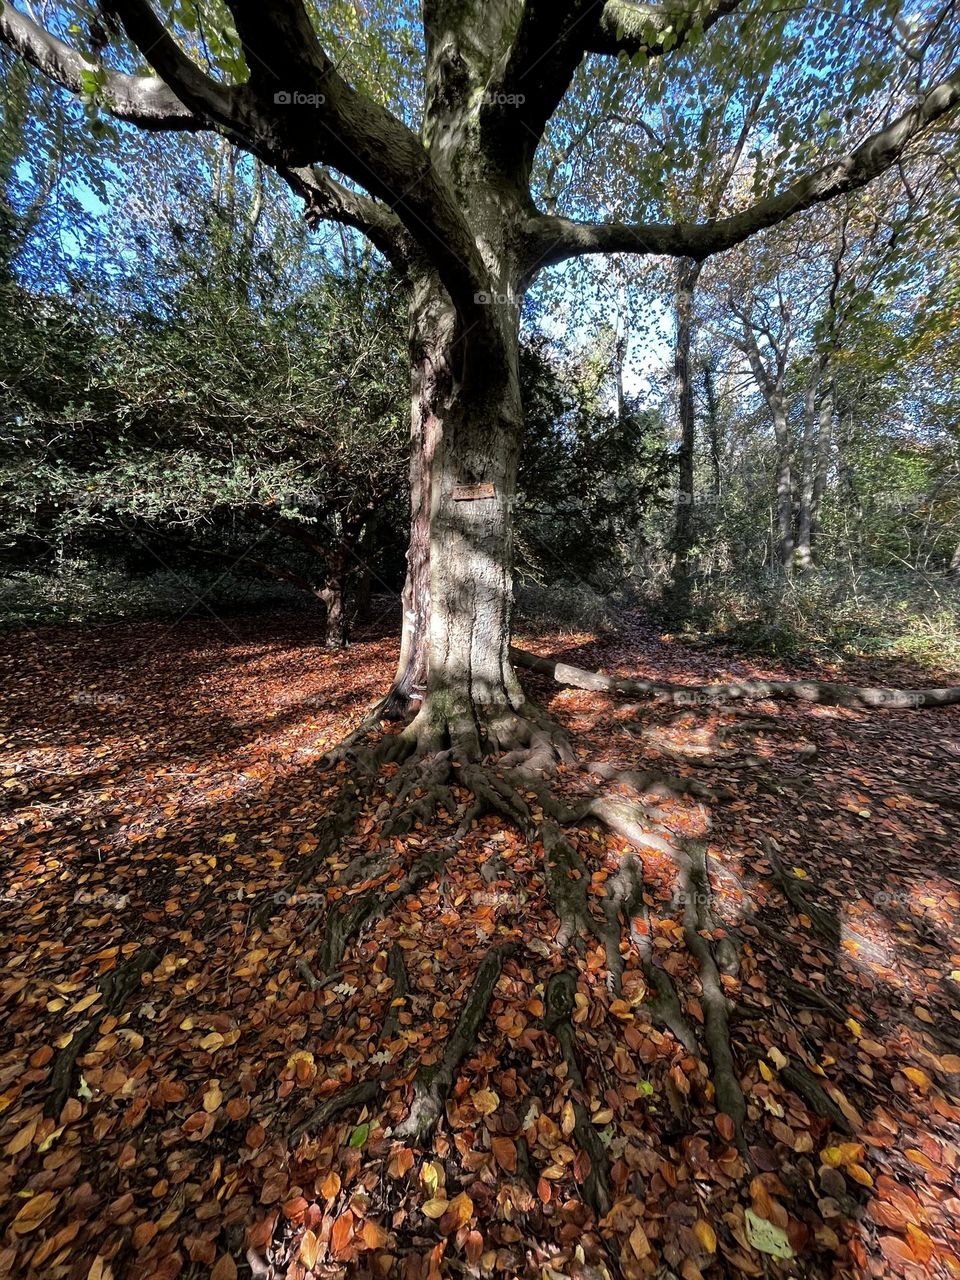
(341, 1233)
(725, 1127)
(920, 1243)
(505, 1153)
(462, 1208)
(330, 1186)
(401, 1162)
(374, 1236)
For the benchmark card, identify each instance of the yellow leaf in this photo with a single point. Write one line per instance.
(462, 1208)
(917, 1077)
(486, 1101)
(765, 1070)
(374, 1236)
(832, 1156)
(91, 998)
(37, 1209)
(859, 1174)
(568, 1119)
(432, 1176)
(855, 1027)
(436, 1208)
(799, 873)
(212, 1098)
(851, 1152)
(778, 1059)
(639, 1242)
(705, 1234)
(309, 1249)
(212, 1042)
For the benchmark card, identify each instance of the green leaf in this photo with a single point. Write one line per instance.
(359, 1135)
(767, 1238)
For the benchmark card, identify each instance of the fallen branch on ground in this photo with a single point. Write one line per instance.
(820, 691)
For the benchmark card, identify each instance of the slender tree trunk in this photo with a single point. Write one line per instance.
(687, 276)
(784, 485)
(713, 429)
(824, 444)
(332, 596)
(809, 455)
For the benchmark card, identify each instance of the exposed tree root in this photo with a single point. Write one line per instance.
(560, 1003)
(432, 1084)
(807, 1086)
(439, 759)
(354, 1095)
(624, 898)
(567, 881)
(396, 970)
(691, 866)
(116, 987)
(824, 923)
(823, 692)
(655, 783)
(360, 912)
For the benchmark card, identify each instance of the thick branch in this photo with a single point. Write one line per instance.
(328, 200)
(200, 92)
(143, 100)
(333, 124)
(534, 75)
(551, 240)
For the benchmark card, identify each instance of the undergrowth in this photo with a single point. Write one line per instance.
(837, 614)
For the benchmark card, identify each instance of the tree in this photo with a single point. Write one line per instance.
(452, 205)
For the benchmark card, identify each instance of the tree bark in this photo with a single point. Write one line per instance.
(713, 429)
(465, 431)
(687, 276)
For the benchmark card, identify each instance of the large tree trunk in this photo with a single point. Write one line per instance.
(466, 419)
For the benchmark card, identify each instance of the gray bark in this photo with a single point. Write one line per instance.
(687, 276)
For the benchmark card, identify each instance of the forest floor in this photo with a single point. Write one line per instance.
(166, 1046)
